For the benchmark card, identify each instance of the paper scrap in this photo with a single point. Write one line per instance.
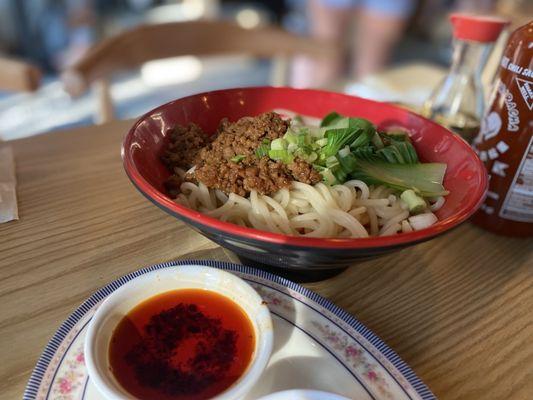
(8, 183)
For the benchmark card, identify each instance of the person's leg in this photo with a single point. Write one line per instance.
(380, 24)
(329, 20)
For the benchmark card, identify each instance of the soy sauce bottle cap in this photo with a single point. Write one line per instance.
(477, 28)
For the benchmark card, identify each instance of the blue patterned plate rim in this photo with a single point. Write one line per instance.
(46, 357)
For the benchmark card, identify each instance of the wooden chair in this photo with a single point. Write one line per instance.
(18, 76)
(132, 48)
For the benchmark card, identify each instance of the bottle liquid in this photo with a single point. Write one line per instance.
(458, 101)
(505, 142)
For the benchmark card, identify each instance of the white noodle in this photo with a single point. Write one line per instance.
(439, 202)
(392, 230)
(349, 210)
(406, 227)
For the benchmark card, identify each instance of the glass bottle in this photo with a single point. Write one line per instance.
(458, 101)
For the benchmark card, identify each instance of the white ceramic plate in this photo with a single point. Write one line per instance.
(317, 345)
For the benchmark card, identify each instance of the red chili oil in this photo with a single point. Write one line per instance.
(189, 344)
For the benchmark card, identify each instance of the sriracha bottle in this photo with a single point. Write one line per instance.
(505, 142)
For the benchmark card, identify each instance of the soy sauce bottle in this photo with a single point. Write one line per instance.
(458, 101)
(505, 142)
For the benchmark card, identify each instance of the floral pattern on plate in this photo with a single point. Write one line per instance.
(69, 382)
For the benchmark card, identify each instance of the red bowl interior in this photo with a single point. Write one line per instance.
(465, 178)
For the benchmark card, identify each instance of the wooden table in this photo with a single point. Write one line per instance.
(458, 309)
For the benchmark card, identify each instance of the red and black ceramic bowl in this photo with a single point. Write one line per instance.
(465, 178)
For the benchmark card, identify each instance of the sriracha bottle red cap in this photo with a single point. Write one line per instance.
(478, 28)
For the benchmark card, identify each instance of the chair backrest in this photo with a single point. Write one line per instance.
(18, 76)
(132, 48)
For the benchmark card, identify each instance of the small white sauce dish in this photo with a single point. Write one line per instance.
(123, 300)
(301, 394)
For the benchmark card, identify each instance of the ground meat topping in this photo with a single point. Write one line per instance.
(185, 143)
(229, 162)
(304, 172)
(242, 137)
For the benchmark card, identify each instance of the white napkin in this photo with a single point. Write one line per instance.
(8, 182)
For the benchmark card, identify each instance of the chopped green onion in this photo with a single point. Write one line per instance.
(327, 175)
(238, 158)
(281, 155)
(297, 120)
(303, 152)
(311, 157)
(292, 147)
(333, 175)
(316, 133)
(290, 136)
(278, 144)
(322, 142)
(331, 161)
(415, 203)
(344, 151)
(262, 150)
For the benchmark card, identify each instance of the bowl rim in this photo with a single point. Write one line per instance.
(263, 345)
(473, 201)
